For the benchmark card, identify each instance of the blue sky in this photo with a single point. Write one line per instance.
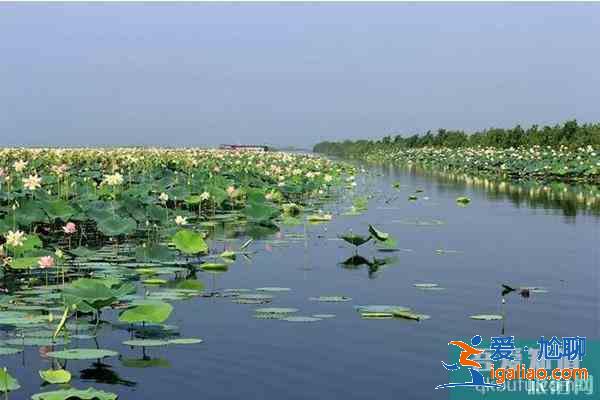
(289, 74)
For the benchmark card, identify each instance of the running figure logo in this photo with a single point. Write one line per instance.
(465, 361)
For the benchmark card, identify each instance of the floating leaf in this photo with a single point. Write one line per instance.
(190, 242)
(82, 354)
(7, 382)
(463, 200)
(156, 312)
(273, 289)
(376, 315)
(55, 375)
(331, 299)
(487, 317)
(319, 217)
(72, 394)
(381, 309)
(300, 319)
(324, 316)
(377, 234)
(154, 281)
(185, 341)
(355, 240)
(214, 267)
(145, 343)
(411, 315)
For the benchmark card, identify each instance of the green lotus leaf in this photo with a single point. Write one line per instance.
(156, 312)
(190, 242)
(186, 341)
(55, 375)
(463, 200)
(300, 319)
(30, 212)
(116, 226)
(82, 354)
(330, 299)
(58, 209)
(7, 382)
(88, 294)
(260, 212)
(24, 263)
(355, 240)
(377, 234)
(191, 284)
(73, 394)
(154, 281)
(410, 315)
(214, 267)
(487, 317)
(145, 343)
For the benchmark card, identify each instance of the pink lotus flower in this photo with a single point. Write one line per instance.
(70, 228)
(46, 262)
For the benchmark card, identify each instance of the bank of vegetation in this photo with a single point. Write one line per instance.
(568, 151)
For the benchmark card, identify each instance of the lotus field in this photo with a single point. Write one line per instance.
(83, 231)
(536, 163)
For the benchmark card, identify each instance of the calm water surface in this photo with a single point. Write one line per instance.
(496, 239)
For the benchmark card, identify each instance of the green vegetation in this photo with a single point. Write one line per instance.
(564, 152)
(84, 231)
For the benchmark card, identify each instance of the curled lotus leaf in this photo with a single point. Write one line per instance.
(7, 382)
(377, 234)
(55, 375)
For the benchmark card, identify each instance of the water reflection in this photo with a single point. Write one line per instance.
(570, 199)
(103, 373)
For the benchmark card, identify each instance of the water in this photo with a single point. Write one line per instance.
(493, 240)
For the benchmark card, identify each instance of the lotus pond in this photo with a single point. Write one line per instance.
(142, 273)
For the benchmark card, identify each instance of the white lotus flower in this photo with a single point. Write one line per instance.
(15, 239)
(32, 182)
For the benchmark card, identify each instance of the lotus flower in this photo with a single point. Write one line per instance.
(46, 262)
(70, 228)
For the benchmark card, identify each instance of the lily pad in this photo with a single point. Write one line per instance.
(72, 394)
(273, 289)
(145, 343)
(487, 317)
(55, 375)
(156, 312)
(7, 382)
(300, 319)
(331, 299)
(186, 341)
(82, 354)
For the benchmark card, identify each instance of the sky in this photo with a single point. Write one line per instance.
(289, 74)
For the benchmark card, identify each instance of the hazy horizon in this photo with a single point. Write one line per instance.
(289, 74)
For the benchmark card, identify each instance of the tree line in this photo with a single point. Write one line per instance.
(569, 134)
